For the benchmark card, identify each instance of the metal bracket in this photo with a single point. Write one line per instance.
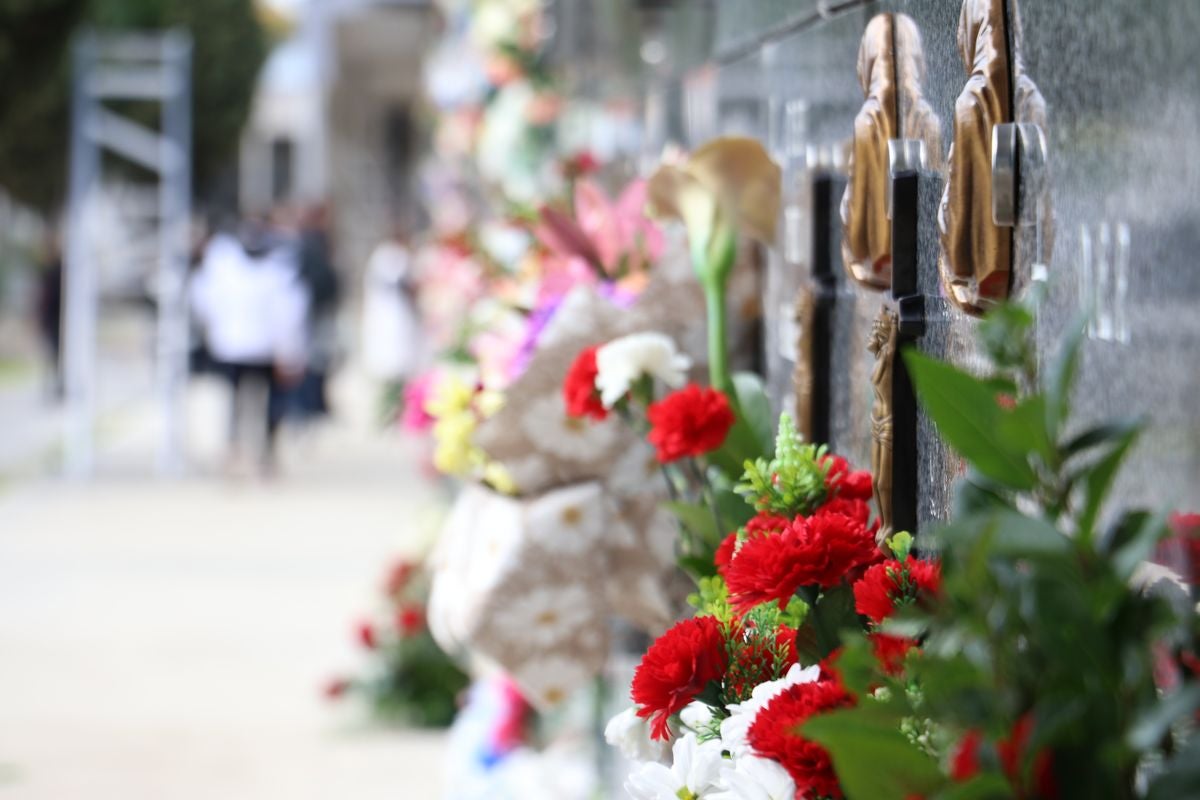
(1018, 173)
(827, 192)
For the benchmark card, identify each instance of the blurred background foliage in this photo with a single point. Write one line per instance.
(231, 39)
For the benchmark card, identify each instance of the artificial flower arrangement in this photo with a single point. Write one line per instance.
(410, 679)
(1038, 656)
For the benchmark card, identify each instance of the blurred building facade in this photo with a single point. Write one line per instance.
(336, 118)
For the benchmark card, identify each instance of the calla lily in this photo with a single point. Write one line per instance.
(728, 186)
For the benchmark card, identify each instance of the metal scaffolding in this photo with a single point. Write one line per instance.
(149, 68)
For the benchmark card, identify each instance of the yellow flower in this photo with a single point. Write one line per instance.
(498, 476)
(454, 453)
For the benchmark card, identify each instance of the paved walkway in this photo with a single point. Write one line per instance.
(167, 640)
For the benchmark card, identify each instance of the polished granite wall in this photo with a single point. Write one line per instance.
(1122, 232)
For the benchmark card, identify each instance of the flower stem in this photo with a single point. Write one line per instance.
(718, 348)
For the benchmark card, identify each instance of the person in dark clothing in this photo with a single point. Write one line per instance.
(319, 276)
(49, 312)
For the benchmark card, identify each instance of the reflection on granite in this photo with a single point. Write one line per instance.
(1122, 96)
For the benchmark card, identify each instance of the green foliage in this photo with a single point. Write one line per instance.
(712, 599)
(230, 46)
(792, 482)
(1037, 619)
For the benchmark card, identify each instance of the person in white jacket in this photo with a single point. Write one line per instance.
(252, 307)
(391, 334)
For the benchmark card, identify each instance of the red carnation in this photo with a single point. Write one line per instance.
(725, 553)
(886, 586)
(410, 620)
(773, 735)
(676, 668)
(398, 577)
(366, 636)
(763, 524)
(335, 688)
(1014, 750)
(840, 527)
(964, 761)
(579, 387)
(771, 568)
(823, 549)
(841, 481)
(890, 651)
(689, 422)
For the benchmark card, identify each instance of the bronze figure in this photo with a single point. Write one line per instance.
(883, 344)
(976, 261)
(891, 71)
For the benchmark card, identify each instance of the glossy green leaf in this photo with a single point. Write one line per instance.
(1062, 376)
(966, 412)
(1099, 478)
(698, 519)
(1150, 728)
(871, 756)
(756, 409)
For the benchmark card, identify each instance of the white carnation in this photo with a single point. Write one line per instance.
(621, 362)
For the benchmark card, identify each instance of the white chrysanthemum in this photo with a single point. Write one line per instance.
(546, 422)
(546, 615)
(695, 773)
(736, 727)
(630, 734)
(752, 778)
(621, 362)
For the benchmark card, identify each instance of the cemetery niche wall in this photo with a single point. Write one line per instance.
(1031, 142)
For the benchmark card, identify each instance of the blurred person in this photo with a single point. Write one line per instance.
(253, 308)
(320, 277)
(50, 310)
(391, 335)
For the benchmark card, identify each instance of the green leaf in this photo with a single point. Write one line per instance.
(1152, 726)
(981, 787)
(827, 618)
(697, 566)
(1139, 546)
(967, 413)
(1099, 479)
(1024, 429)
(698, 519)
(1005, 533)
(756, 409)
(733, 508)
(1062, 376)
(1101, 434)
(1181, 777)
(872, 758)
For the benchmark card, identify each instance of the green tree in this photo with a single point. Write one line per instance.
(230, 46)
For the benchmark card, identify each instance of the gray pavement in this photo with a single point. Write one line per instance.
(168, 639)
